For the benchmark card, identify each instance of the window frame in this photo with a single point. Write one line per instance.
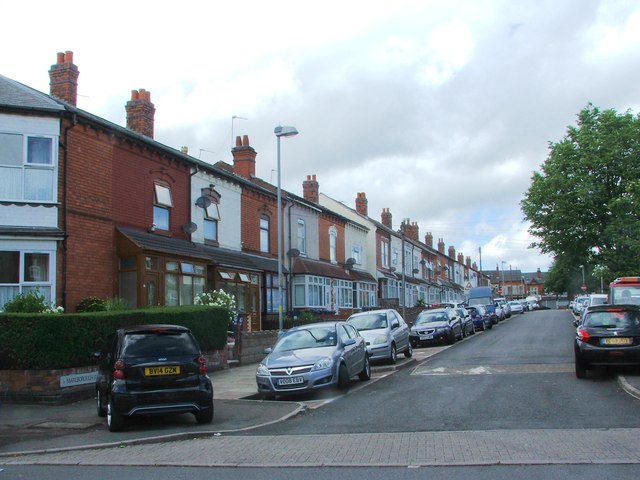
(265, 234)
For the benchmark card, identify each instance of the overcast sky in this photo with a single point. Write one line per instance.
(437, 110)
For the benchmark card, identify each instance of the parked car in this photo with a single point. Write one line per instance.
(483, 296)
(312, 357)
(592, 300)
(505, 305)
(440, 325)
(466, 321)
(385, 332)
(608, 335)
(501, 312)
(579, 304)
(152, 369)
(516, 306)
(480, 317)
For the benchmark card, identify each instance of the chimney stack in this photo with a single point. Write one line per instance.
(460, 258)
(441, 245)
(386, 218)
(410, 229)
(452, 251)
(244, 157)
(140, 112)
(468, 262)
(428, 240)
(362, 204)
(63, 78)
(311, 189)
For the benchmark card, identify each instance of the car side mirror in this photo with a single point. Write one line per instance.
(395, 324)
(267, 351)
(349, 341)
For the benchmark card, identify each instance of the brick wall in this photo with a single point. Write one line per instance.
(254, 205)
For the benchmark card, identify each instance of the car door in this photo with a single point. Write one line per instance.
(399, 330)
(351, 348)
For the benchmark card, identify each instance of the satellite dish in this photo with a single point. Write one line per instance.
(351, 261)
(203, 202)
(190, 227)
(294, 252)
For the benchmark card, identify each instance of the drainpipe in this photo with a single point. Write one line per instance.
(288, 277)
(65, 147)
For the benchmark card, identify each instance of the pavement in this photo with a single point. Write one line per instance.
(38, 429)
(35, 428)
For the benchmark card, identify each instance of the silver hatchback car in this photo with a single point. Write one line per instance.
(386, 333)
(311, 357)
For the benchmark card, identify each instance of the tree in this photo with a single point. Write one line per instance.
(584, 204)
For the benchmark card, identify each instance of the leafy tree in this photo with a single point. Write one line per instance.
(584, 204)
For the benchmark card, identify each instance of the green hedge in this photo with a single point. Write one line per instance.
(53, 341)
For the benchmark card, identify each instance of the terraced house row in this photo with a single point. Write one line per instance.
(91, 208)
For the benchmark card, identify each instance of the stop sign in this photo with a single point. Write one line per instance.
(583, 287)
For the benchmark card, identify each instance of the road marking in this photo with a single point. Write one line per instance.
(493, 369)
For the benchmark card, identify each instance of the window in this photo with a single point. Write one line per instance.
(302, 236)
(161, 206)
(394, 257)
(311, 291)
(210, 230)
(271, 294)
(184, 282)
(344, 291)
(365, 295)
(333, 242)
(356, 254)
(264, 233)
(384, 253)
(22, 272)
(27, 167)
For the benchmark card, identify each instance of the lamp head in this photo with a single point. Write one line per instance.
(285, 131)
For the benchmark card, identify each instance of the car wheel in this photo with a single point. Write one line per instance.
(365, 374)
(102, 411)
(452, 338)
(581, 368)
(205, 415)
(408, 353)
(490, 326)
(393, 358)
(115, 421)
(343, 377)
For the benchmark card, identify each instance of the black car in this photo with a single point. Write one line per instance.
(608, 335)
(440, 325)
(152, 369)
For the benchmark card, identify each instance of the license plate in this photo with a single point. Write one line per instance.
(291, 381)
(426, 337)
(164, 370)
(616, 341)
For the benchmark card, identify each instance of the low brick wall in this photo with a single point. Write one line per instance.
(253, 345)
(57, 387)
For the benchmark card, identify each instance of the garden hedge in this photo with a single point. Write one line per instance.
(54, 341)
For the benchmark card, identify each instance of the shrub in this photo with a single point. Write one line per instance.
(219, 298)
(91, 304)
(30, 302)
(116, 304)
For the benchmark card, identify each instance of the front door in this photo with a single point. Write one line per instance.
(151, 289)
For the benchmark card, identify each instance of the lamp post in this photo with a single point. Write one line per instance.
(504, 287)
(281, 131)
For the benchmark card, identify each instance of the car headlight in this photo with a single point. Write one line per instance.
(263, 371)
(380, 339)
(323, 364)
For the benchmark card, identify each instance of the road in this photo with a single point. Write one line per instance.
(501, 404)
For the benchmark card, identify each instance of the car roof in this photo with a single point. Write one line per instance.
(316, 325)
(152, 327)
(437, 310)
(367, 312)
(608, 307)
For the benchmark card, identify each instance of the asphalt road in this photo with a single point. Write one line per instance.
(519, 375)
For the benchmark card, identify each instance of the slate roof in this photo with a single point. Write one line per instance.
(16, 95)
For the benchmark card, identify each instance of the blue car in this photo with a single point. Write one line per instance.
(313, 357)
(481, 318)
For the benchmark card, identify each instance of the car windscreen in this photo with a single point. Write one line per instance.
(307, 338)
(158, 345)
(369, 321)
(480, 301)
(431, 317)
(612, 319)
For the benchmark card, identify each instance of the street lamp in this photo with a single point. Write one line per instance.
(281, 131)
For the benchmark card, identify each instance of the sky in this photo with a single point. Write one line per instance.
(438, 110)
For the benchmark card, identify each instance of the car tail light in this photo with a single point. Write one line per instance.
(203, 365)
(118, 370)
(583, 335)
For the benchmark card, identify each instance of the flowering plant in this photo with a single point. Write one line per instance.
(219, 298)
